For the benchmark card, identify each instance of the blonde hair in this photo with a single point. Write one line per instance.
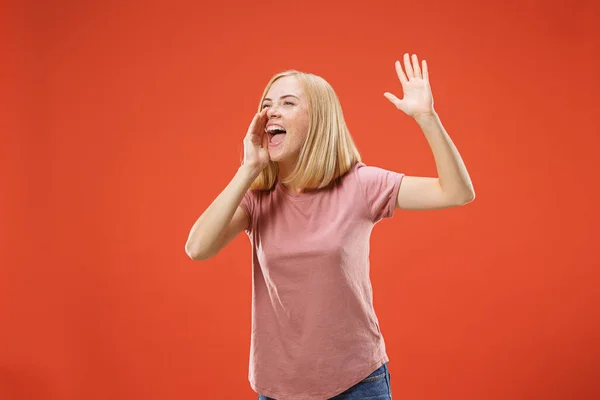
(328, 151)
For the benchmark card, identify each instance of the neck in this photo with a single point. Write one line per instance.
(285, 169)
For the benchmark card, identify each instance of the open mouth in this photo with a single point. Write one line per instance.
(276, 134)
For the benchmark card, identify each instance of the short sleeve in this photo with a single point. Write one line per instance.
(248, 205)
(380, 189)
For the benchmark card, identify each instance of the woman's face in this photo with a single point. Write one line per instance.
(287, 125)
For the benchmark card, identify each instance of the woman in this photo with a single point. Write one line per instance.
(308, 205)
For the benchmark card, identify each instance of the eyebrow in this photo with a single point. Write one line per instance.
(283, 97)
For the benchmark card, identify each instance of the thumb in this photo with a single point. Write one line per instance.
(394, 100)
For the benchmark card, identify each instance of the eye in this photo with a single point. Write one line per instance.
(289, 102)
(264, 106)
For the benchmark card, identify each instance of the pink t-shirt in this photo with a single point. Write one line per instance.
(314, 330)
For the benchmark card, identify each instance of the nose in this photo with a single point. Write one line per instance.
(273, 111)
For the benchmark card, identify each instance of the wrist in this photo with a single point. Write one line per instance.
(248, 172)
(425, 116)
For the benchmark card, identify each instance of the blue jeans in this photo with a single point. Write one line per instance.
(374, 387)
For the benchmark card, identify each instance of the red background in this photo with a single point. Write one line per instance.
(122, 121)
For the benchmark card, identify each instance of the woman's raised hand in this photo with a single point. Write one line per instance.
(418, 99)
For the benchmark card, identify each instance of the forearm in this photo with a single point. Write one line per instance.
(207, 230)
(453, 176)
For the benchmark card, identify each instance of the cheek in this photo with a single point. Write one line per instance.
(302, 126)
(300, 130)
(295, 141)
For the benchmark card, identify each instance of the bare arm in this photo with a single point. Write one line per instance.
(210, 234)
(224, 219)
(453, 187)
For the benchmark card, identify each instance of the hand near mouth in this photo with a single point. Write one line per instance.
(256, 155)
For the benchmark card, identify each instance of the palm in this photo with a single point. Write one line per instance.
(415, 85)
(258, 149)
(263, 156)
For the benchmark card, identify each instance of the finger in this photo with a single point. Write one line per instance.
(425, 71)
(257, 121)
(409, 71)
(264, 114)
(263, 117)
(253, 123)
(400, 73)
(395, 101)
(262, 123)
(257, 139)
(255, 134)
(416, 67)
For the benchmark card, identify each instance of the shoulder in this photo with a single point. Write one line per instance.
(257, 195)
(371, 173)
(379, 187)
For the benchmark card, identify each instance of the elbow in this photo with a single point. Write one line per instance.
(467, 198)
(200, 247)
(196, 254)
(461, 199)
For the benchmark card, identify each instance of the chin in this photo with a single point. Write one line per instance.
(276, 155)
(283, 154)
